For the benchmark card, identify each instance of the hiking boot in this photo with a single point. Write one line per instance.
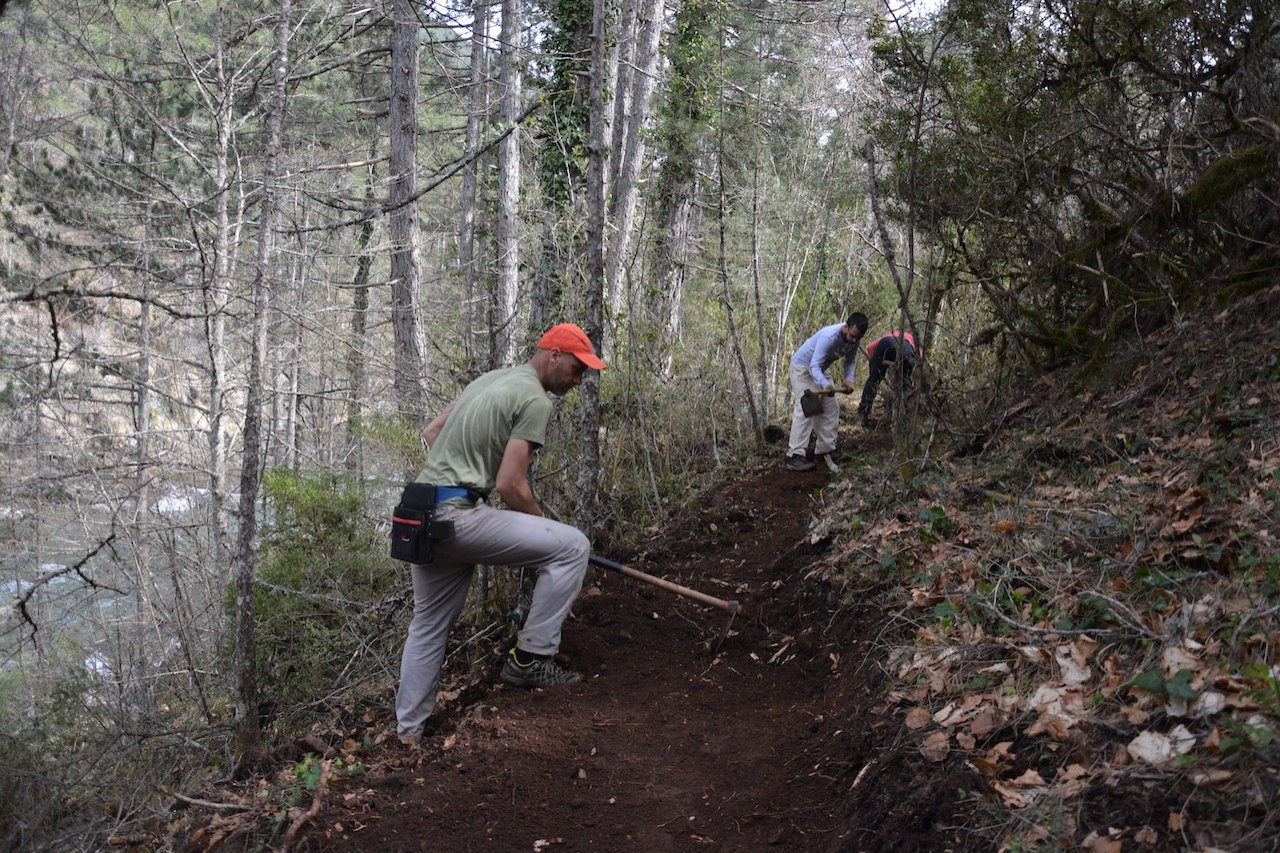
(540, 673)
(799, 463)
(830, 463)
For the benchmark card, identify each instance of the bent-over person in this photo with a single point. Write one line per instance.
(484, 441)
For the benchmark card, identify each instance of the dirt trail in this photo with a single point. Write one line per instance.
(662, 747)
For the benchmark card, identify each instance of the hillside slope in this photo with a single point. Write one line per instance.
(1067, 639)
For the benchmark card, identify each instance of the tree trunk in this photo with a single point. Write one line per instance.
(674, 246)
(688, 108)
(216, 295)
(13, 88)
(403, 222)
(757, 299)
(248, 728)
(547, 286)
(629, 149)
(359, 330)
(504, 303)
(726, 289)
(622, 71)
(477, 113)
(589, 460)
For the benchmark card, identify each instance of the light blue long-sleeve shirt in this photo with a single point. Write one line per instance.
(821, 351)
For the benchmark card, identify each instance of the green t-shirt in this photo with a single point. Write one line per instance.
(499, 406)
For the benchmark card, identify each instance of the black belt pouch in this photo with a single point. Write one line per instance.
(412, 524)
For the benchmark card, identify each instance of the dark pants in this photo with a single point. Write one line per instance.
(885, 355)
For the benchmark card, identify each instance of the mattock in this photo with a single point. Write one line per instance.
(730, 606)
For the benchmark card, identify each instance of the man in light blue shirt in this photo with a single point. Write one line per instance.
(809, 375)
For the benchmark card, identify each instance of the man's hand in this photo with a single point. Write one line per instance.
(849, 387)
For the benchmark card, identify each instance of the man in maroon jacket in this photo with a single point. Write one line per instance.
(896, 346)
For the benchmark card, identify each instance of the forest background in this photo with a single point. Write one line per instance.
(249, 247)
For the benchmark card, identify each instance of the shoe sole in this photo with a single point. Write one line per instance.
(528, 683)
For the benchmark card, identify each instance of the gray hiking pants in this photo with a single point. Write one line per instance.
(493, 537)
(825, 423)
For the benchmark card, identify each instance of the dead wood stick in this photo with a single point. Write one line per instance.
(317, 802)
(204, 804)
(1033, 503)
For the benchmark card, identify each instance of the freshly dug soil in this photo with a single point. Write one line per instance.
(772, 742)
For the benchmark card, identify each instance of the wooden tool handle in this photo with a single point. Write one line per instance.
(729, 606)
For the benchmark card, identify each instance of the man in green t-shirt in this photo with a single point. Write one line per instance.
(482, 441)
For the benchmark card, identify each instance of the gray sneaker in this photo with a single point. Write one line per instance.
(799, 463)
(540, 673)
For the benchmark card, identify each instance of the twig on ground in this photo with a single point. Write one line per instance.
(1126, 614)
(317, 802)
(1248, 617)
(1036, 629)
(204, 804)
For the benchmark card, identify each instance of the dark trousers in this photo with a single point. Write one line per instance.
(887, 353)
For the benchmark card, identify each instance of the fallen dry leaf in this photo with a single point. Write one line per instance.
(1035, 654)
(935, 747)
(998, 757)
(918, 718)
(1073, 670)
(1003, 750)
(1183, 740)
(1176, 658)
(1210, 702)
(1151, 748)
(950, 715)
(988, 720)
(1095, 843)
(985, 765)
(1072, 772)
(1029, 779)
(1136, 716)
(921, 597)
(1056, 727)
(1011, 798)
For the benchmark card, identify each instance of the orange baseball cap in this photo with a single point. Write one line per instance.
(567, 337)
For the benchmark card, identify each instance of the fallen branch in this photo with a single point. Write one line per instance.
(1127, 615)
(1248, 617)
(1133, 627)
(992, 610)
(136, 840)
(204, 804)
(1089, 515)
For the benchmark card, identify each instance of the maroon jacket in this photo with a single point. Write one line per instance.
(892, 336)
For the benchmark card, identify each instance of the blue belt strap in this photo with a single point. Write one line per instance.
(446, 493)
